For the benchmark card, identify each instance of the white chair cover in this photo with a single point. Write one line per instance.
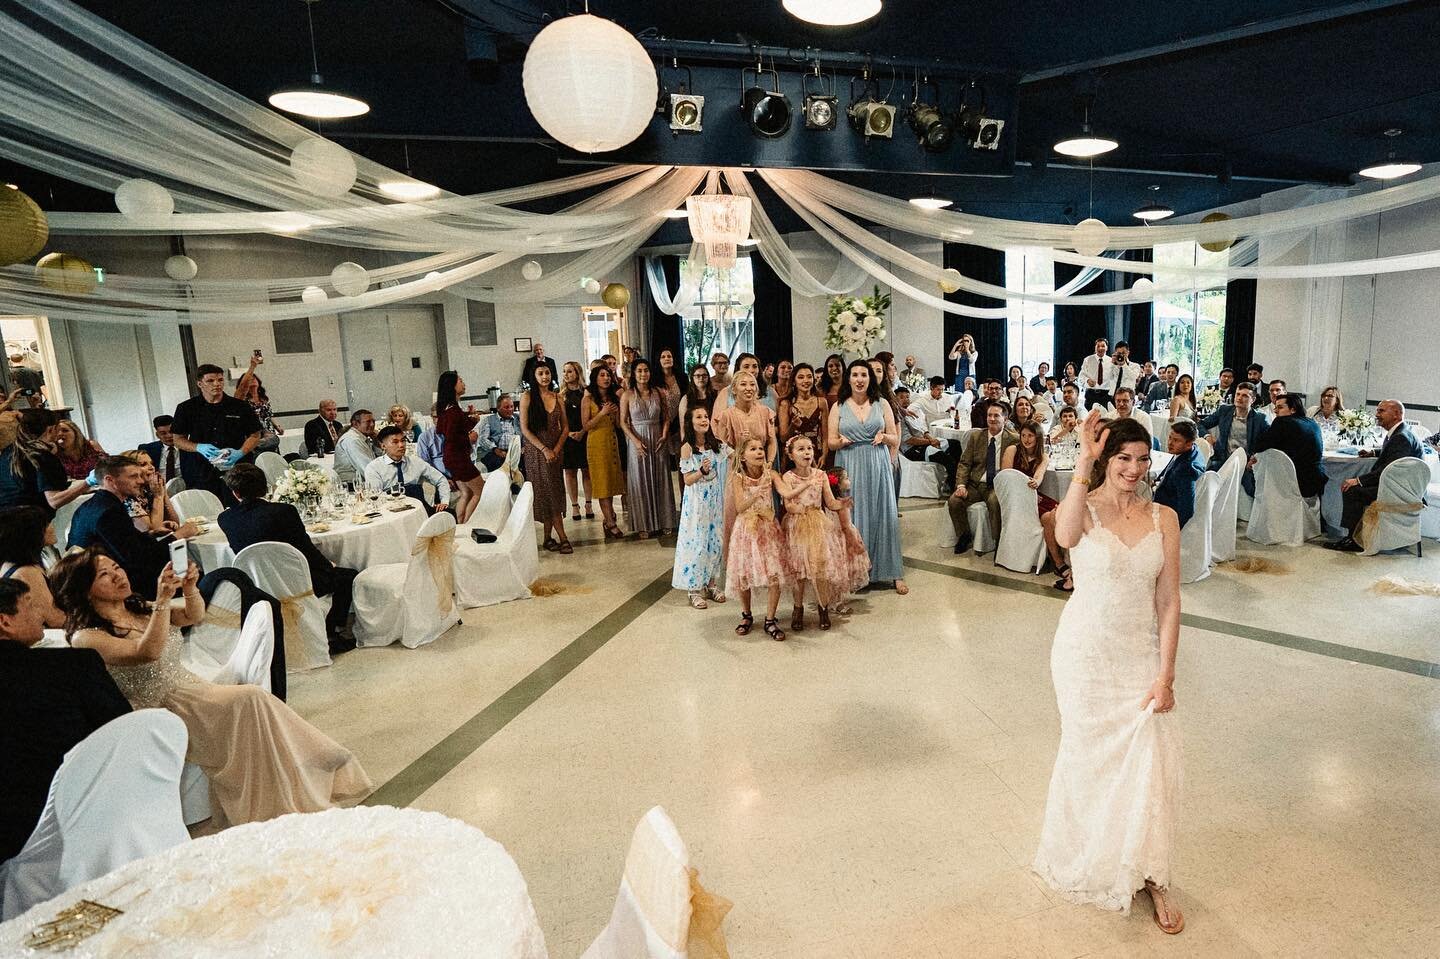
(273, 465)
(196, 502)
(64, 515)
(920, 478)
(1402, 484)
(280, 570)
(176, 485)
(1206, 450)
(1022, 540)
(1280, 516)
(403, 600)
(979, 516)
(115, 799)
(1195, 536)
(498, 572)
(1224, 516)
(944, 529)
(493, 509)
(651, 918)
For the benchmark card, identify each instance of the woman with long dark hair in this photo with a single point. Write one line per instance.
(25, 532)
(457, 426)
(1184, 403)
(832, 377)
(804, 412)
(864, 436)
(572, 458)
(542, 425)
(599, 413)
(30, 472)
(645, 418)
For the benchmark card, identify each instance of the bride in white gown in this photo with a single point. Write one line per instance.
(1114, 795)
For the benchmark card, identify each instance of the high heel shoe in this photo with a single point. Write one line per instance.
(797, 620)
(824, 618)
(589, 509)
(575, 513)
(613, 532)
(773, 630)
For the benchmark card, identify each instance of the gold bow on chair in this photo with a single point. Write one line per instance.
(1365, 535)
(221, 617)
(296, 654)
(706, 940)
(439, 552)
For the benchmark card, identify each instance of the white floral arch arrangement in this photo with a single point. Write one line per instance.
(856, 323)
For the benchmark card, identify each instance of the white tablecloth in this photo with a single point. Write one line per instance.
(292, 441)
(1057, 481)
(351, 883)
(945, 430)
(387, 538)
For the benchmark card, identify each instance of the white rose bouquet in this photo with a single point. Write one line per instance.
(855, 323)
(302, 483)
(1209, 400)
(1356, 425)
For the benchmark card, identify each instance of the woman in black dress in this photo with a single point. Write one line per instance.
(573, 458)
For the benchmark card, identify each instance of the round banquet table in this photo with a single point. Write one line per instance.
(1057, 481)
(945, 430)
(365, 882)
(387, 538)
(292, 442)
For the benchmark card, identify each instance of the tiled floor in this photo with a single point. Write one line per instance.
(876, 791)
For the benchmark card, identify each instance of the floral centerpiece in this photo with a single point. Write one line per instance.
(303, 484)
(856, 323)
(1209, 400)
(1356, 426)
(916, 379)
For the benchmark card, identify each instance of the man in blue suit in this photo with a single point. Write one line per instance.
(170, 460)
(1175, 487)
(1298, 437)
(1358, 492)
(1239, 426)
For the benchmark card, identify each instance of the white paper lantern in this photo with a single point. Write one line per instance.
(142, 198)
(322, 168)
(181, 267)
(745, 297)
(592, 286)
(313, 294)
(1091, 237)
(1144, 286)
(532, 270)
(350, 279)
(433, 275)
(949, 280)
(589, 84)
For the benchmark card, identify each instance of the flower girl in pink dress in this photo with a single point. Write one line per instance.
(756, 554)
(815, 545)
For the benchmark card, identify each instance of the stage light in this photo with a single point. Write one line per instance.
(686, 112)
(767, 111)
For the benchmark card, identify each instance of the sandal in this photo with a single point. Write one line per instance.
(1060, 585)
(697, 600)
(841, 608)
(589, 510)
(797, 620)
(747, 623)
(614, 532)
(565, 548)
(901, 589)
(714, 595)
(550, 546)
(1160, 899)
(773, 630)
(824, 618)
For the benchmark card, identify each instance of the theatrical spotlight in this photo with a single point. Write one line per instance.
(821, 110)
(934, 130)
(767, 111)
(686, 108)
(978, 130)
(870, 115)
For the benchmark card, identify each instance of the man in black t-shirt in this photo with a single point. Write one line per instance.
(30, 383)
(38, 478)
(212, 423)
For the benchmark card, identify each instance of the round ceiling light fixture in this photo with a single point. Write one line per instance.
(315, 100)
(1151, 212)
(1392, 166)
(1087, 144)
(931, 202)
(832, 13)
(408, 189)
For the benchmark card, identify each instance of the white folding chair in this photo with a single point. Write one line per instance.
(920, 478)
(1022, 539)
(64, 515)
(176, 485)
(273, 465)
(280, 570)
(1224, 516)
(498, 572)
(1195, 536)
(115, 799)
(406, 601)
(651, 918)
(1430, 516)
(1401, 496)
(1280, 516)
(493, 509)
(191, 503)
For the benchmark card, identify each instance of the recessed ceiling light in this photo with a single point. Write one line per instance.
(931, 202)
(408, 189)
(832, 13)
(1153, 212)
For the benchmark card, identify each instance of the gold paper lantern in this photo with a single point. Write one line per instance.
(1221, 245)
(615, 296)
(66, 273)
(23, 227)
(949, 281)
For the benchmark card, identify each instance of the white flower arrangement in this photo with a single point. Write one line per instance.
(1209, 400)
(301, 483)
(856, 323)
(1356, 425)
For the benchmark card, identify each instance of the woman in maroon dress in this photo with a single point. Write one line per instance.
(456, 426)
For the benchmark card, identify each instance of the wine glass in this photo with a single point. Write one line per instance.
(372, 493)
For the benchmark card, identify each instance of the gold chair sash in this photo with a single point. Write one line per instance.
(439, 552)
(220, 617)
(1371, 520)
(296, 655)
(705, 939)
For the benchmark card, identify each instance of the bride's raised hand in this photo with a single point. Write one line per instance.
(1092, 436)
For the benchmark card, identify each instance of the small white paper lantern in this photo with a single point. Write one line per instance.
(350, 279)
(1144, 286)
(949, 280)
(745, 297)
(1091, 237)
(433, 275)
(313, 294)
(322, 168)
(181, 267)
(589, 84)
(143, 198)
(532, 270)
(592, 286)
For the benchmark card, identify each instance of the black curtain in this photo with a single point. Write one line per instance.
(1135, 318)
(774, 338)
(1240, 325)
(1077, 327)
(664, 328)
(988, 266)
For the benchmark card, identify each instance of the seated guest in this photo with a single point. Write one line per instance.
(933, 405)
(1298, 437)
(254, 520)
(169, 460)
(1226, 385)
(495, 432)
(1255, 376)
(1037, 382)
(975, 475)
(1163, 389)
(1024, 412)
(356, 447)
(152, 510)
(393, 466)
(1327, 412)
(25, 534)
(1124, 408)
(1070, 396)
(76, 453)
(30, 473)
(969, 393)
(210, 423)
(322, 433)
(400, 416)
(1175, 487)
(431, 446)
(915, 439)
(53, 699)
(104, 522)
(1067, 431)
(1052, 393)
(977, 409)
(1237, 427)
(1276, 389)
(1358, 492)
(1148, 378)
(262, 759)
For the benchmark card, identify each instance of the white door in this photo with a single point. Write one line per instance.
(390, 358)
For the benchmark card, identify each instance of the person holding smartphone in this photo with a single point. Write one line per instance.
(29, 384)
(252, 390)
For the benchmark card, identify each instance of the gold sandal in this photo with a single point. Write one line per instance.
(697, 600)
(1177, 924)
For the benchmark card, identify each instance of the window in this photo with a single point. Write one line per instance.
(293, 336)
(1189, 328)
(481, 318)
(716, 322)
(1029, 325)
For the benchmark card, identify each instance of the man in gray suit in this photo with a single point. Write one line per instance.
(975, 476)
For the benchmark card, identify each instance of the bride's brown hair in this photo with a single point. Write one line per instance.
(1121, 432)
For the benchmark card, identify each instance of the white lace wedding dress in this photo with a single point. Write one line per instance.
(1114, 795)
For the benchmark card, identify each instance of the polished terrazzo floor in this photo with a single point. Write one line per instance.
(877, 791)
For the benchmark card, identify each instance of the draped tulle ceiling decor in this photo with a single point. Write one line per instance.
(89, 102)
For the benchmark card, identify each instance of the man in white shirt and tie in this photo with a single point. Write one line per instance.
(393, 466)
(1122, 372)
(1094, 371)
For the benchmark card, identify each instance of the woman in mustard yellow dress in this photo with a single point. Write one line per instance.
(599, 414)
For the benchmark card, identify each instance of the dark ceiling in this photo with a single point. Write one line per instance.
(1212, 102)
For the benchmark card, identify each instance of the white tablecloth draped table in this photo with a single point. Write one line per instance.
(1057, 481)
(945, 430)
(1340, 467)
(353, 883)
(387, 538)
(293, 441)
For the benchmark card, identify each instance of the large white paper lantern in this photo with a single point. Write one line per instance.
(589, 84)
(181, 267)
(142, 198)
(350, 279)
(322, 168)
(1091, 237)
(313, 294)
(532, 270)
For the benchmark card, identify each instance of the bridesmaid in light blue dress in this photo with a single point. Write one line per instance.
(699, 545)
(855, 422)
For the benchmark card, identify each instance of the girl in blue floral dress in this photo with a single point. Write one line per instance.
(699, 546)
